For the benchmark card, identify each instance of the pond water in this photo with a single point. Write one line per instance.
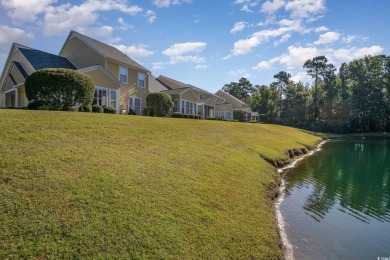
(337, 202)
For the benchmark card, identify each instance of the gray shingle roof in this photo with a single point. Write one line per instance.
(43, 60)
(110, 51)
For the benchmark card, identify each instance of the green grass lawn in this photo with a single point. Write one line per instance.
(86, 185)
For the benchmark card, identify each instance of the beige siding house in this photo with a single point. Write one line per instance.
(207, 104)
(236, 104)
(120, 82)
(21, 62)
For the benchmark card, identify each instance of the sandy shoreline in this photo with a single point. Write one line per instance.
(288, 248)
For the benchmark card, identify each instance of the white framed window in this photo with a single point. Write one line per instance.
(123, 74)
(141, 79)
(106, 97)
(188, 107)
(135, 104)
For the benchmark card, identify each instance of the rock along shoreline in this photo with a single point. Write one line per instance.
(288, 248)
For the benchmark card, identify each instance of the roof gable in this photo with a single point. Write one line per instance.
(107, 51)
(43, 60)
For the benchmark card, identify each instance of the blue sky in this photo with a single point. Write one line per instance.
(207, 43)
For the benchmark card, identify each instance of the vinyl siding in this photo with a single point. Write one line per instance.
(102, 80)
(16, 56)
(132, 79)
(81, 55)
(8, 84)
(22, 99)
(1, 100)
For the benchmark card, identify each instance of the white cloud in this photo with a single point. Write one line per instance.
(239, 26)
(25, 10)
(245, 8)
(151, 16)
(135, 51)
(301, 9)
(284, 38)
(270, 7)
(327, 37)
(158, 65)
(201, 66)
(300, 76)
(321, 29)
(185, 52)
(168, 3)
(10, 35)
(61, 19)
(349, 38)
(263, 65)
(297, 56)
(123, 25)
(240, 73)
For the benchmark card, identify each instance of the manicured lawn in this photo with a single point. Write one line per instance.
(85, 185)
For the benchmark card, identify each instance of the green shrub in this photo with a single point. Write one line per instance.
(238, 114)
(97, 109)
(212, 118)
(186, 116)
(86, 108)
(37, 105)
(159, 103)
(110, 110)
(177, 115)
(252, 121)
(60, 89)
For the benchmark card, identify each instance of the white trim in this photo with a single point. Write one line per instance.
(108, 96)
(138, 73)
(194, 112)
(132, 100)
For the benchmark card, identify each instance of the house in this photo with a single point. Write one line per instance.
(21, 62)
(238, 105)
(102, 62)
(120, 82)
(155, 85)
(189, 99)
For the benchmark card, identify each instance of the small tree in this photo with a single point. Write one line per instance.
(159, 103)
(60, 89)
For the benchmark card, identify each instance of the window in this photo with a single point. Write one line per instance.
(188, 108)
(141, 79)
(123, 74)
(105, 97)
(113, 98)
(136, 105)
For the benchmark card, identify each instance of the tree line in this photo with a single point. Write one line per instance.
(353, 98)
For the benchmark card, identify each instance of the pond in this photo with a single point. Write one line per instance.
(337, 202)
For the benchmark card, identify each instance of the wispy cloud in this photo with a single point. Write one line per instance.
(239, 26)
(187, 52)
(168, 3)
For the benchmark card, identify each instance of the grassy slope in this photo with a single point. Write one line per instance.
(96, 185)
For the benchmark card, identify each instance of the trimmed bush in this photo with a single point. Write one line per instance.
(110, 110)
(97, 109)
(238, 114)
(252, 121)
(177, 115)
(159, 103)
(60, 89)
(86, 108)
(37, 105)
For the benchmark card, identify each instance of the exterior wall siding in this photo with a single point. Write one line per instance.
(81, 55)
(22, 99)
(100, 79)
(131, 87)
(1, 100)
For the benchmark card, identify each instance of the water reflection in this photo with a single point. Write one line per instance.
(352, 176)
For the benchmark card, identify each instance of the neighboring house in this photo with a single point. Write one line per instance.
(155, 85)
(186, 96)
(22, 61)
(104, 62)
(120, 82)
(238, 105)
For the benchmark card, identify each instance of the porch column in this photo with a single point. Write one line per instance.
(5, 100)
(203, 110)
(16, 98)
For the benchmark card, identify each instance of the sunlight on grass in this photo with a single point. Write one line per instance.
(83, 185)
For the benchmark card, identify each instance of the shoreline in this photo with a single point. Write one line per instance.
(287, 246)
